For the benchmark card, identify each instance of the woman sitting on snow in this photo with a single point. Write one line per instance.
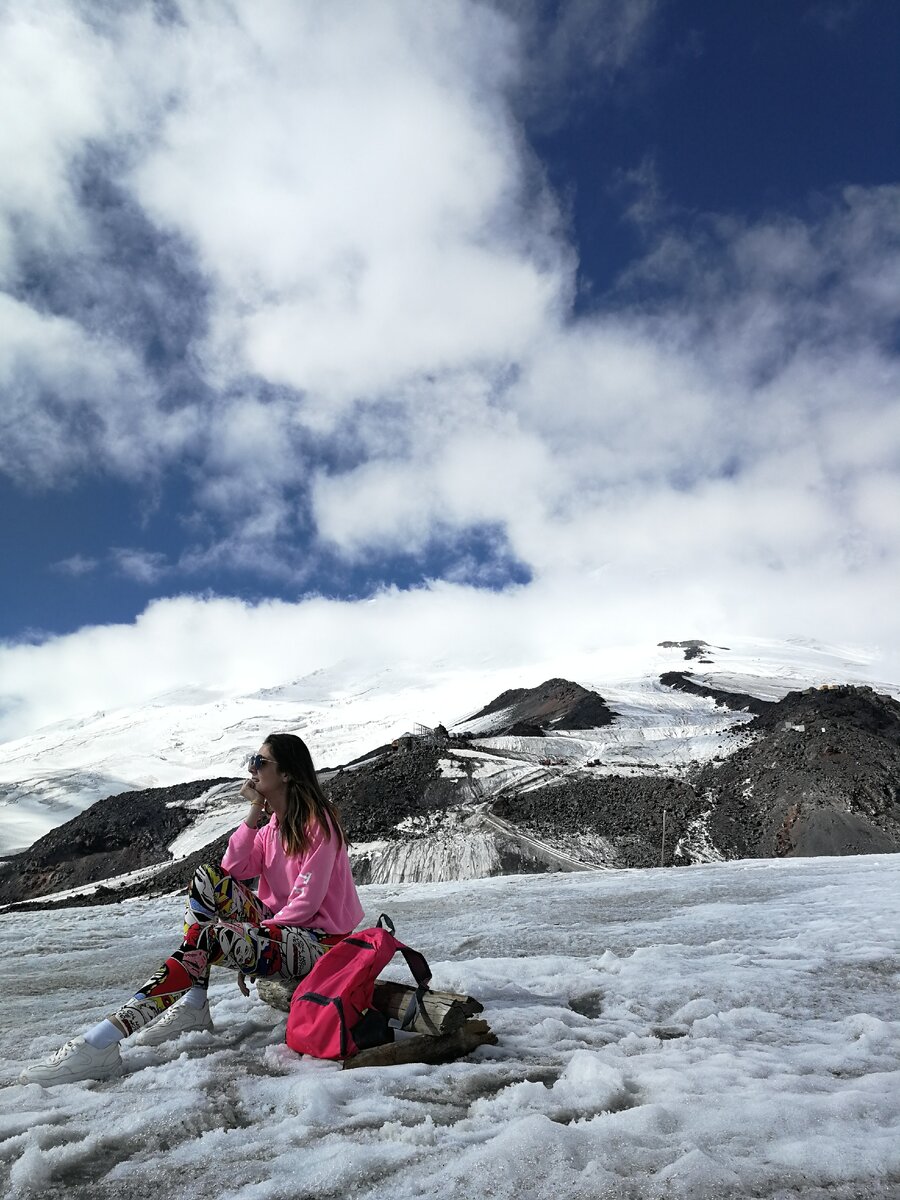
(305, 901)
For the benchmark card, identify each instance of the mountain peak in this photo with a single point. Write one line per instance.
(529, 712)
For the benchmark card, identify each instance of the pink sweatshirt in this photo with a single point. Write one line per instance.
(314, 891)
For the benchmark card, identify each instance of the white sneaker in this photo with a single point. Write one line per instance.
(75, 1060)
(180, 1018)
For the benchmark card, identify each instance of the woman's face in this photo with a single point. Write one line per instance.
(267, 779)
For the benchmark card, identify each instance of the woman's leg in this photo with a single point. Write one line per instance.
(270, 950)
(213, 896)
(273, 951)
(214, 893)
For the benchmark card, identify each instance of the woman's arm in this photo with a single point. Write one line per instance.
(244, 855)
(312, 882)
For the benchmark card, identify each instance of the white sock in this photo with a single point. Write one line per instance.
(196, 997)
(104, 1034)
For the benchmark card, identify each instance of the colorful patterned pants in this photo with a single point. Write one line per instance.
(222, 927)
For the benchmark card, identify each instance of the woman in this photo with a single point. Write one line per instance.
(305, 900)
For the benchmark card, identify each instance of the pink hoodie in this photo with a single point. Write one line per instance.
(314, 891)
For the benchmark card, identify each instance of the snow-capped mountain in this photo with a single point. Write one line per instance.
(679, 769)
(49, 776)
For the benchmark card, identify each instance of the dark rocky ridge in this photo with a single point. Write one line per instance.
(821, 776)
(373, 798)
(830, 787)
(553, 704)
(692, 647)
(628, 810)
(684, 681)
(170, 878)
(121, 833)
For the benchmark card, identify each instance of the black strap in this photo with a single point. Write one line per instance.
(418, 964)
(421, 972)
(416, 1006)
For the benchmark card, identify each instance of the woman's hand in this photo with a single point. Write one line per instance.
(259, 809)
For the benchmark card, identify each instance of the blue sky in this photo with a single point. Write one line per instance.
(301, 302)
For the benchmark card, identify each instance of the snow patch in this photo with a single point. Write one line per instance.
(728, 1030)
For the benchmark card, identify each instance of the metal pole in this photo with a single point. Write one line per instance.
(662, 852)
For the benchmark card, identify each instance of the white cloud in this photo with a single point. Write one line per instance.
(74, 401)
(143, 566)
(354, 185)
(76, 565)
(391, 357)
(724, 429)
(54, 103)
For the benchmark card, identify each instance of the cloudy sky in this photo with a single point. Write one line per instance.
(503, 317)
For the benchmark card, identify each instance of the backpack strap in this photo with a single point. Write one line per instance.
(418, 964)
(422, 975)
(416, 1008)
(421, 972)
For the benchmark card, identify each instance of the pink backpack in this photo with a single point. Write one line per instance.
(331, 1012)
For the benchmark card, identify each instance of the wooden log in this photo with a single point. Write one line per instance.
(439, 1013)
(277, 993)
(447, 1048)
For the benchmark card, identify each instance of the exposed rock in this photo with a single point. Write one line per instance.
(821, 776)
(684, 681)
(692, 647)
(376, 796)
(554, 704)
(119, 834)
(624, 810)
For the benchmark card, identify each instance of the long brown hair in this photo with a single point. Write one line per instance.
(307, 804)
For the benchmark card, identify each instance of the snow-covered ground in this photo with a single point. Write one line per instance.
(218, 811)
(52, 775)
(711, 1032)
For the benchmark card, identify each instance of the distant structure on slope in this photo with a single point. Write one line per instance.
(421, 735)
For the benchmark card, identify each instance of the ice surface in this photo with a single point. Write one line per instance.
(728, 1030)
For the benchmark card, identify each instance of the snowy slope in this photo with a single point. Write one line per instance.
(698, 1034)
(193, 734)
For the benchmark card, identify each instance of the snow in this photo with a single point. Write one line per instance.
(50, 776)
(457, 852)
(728, 1030)
(697, 845)
(220, 810)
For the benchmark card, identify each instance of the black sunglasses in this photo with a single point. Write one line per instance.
(255, 761)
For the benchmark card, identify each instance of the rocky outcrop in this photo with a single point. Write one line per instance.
(614, 819)
(821, 775)
(119, 834)
(376, 796)
(684, 681)
(693, 648)
(530, 712)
